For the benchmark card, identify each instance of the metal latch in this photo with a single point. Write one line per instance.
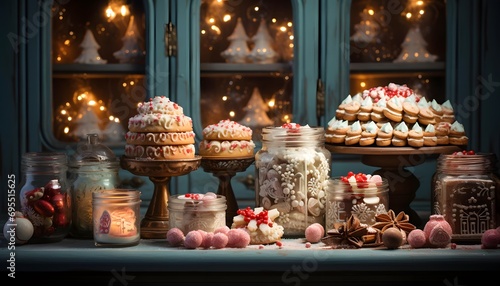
(170, 40)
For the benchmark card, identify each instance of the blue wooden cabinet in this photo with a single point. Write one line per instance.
(175, 65)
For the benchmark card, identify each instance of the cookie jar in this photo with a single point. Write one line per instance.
(292, 171)
(92, 168)
(466, 193)
(44, 195)
(116, 217)
(197, 211)
(365, 199)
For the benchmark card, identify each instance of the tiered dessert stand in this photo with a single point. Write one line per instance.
(156, 220)
(392, 162)
(225, 169)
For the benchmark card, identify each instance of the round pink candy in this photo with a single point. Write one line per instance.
(314, 232)
(193, 239)
(435, 220)
(175, 236)
(490, 238)
(207, 238)
(439, 236)
(416, 238)
(224, 229)
(219, 240)
(238, 238)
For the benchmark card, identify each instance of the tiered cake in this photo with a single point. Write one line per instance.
(160, 131)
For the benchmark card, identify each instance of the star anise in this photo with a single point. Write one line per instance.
(346, 235)
(389, 219)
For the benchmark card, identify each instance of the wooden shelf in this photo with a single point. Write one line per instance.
(397, 67)
(98, 69)
(247, 69)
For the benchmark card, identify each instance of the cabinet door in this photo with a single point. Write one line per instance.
(98, 57)
(254, 62)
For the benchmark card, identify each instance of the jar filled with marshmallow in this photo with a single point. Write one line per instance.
(362, 195)
(292, 169)
(193, 211)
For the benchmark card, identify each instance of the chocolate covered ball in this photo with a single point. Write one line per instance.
(392, 238)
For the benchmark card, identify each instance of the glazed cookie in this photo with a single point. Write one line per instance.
(353, 134)
(416, 136)
(400, 135)
(410, 112)
(430, 138)
(368, 134)
(394, 110)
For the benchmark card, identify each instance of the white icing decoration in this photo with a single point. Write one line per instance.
(367, 101)
(456, 126)
(347, 100)
(423, 103)
(430, 128)
(356, 126)
(371, 127)
(401, 127)
(447, 105)
(386, 128)
(382, 102)
(416, 127)
(435, 105)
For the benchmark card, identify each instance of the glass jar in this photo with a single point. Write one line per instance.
(364, 200)
(44, 197)
(292, 170)
(92, 168)
(466, 193)
(116, 215)
(197, 212)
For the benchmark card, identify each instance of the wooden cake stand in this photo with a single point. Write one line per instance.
(225, 169)
(156, 221)
(392, 162)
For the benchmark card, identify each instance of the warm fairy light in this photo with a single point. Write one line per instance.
(256, 8)
(286, 118)
(291, 45)
(273, 20)
(110, 13)
(63, 112)
(131, 82)
(420, 3)
(291, 37)
(421, 12)
(117, 120)
(224, 98)
(216, 29)
(124, 10)
(102, 108)
(416, 54)
(70, 118)
(124, 84)
(211, 20)
(289, 24)
(203, 32)
(232, 113)
(271, 103)
(66, 42)
(408, 15)
(362, 84)
(66, 130)
(91, 103)
(58, 58)
(283, 29)
(226, 18)
(111, 117)
(371, 12)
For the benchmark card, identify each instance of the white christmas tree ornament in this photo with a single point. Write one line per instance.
(131, 50)
(114, 131)
(238, 51)
(88, 123)
(89, 53)
(414, 48)
(263, 52)
(367, 30)
(256, 109)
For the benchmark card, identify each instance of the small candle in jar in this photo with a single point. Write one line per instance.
(116, 217)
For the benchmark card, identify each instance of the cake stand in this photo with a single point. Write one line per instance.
(392, 162)
(225, 169)
(155, 222)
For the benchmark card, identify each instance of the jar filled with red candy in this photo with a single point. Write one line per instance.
(362, 195)
(44, 197)
(292, 170)
(466, 193)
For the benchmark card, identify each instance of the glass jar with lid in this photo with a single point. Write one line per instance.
(194, 211)
(292, 172)
(466, 192)
(44, 197)
(365, 199)
(92, 168)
